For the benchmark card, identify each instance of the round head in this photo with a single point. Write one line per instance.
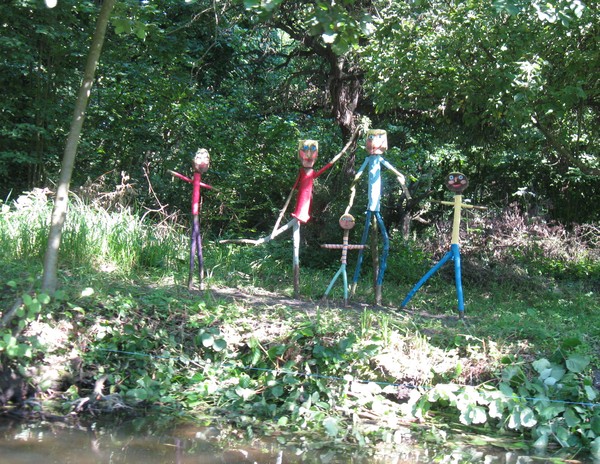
(376, 142)
(457, 182)
(347, 221)
(201, 160)
(308, 151)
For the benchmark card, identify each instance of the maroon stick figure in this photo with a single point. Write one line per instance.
(200, 163)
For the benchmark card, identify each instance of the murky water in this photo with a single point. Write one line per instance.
(150, 441)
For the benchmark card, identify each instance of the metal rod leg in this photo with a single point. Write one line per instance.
(424, 279)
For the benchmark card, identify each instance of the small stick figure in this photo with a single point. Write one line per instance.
(200, 163)
(308, 151)
(457, 183)
(376, 145)
(347, 223)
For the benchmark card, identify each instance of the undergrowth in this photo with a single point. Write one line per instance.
(128, 336)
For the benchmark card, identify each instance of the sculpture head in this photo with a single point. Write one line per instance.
(376, 143)
(308, 151)
(201, 160)
(347, 221)
(457, 182)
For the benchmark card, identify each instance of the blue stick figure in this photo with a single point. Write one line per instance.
(376, 145)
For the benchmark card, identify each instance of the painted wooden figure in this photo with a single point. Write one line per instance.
(376, 145)
(456, 182)
(308, 151)
(200, 163)
(346, 223)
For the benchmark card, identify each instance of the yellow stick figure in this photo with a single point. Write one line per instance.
(456, 182)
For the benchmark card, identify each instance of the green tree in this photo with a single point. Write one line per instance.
(59, 212)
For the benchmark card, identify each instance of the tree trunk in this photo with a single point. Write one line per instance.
(59, 212)
(345, 89)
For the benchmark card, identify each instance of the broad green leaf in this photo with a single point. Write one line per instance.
(577, 363)
(207, 340)
(277, 391)
(137, 394)
(331, 427)
(528, 417)
(541, 365)
(219, 344)
(595, 448)
(572, 418)
(590, 392)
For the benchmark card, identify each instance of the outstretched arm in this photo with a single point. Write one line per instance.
(353, 188)
(282, 212)
(347, 146)
(401, 179)
(181, 176)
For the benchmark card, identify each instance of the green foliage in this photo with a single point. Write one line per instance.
(556, 405)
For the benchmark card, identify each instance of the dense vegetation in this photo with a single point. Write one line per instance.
(506, 92)
(124, 332)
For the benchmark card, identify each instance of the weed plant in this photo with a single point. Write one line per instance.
(243, 352)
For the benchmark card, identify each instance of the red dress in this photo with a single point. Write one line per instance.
(304, 184)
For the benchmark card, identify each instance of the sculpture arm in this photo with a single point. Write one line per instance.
(181, 176)
(353, 190)
(285, 206)
(401, 178)
(346, 147)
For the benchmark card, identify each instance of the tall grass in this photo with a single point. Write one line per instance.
(92, 238)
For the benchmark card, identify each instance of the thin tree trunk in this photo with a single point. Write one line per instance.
(59, 212)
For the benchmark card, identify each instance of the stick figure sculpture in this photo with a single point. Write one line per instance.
(347, 223)
(200, 163)
(376, 145)
(308, 151)
(457, 183)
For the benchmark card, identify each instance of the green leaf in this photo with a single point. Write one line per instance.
(595, 447)
(577, 363)
(541, 365)
(595, 425)
(207, 340)
(542, 442)
(571, 418)
(590, 392)
(528, 417)
(137, 394)
(331, 427)
(277, 391)
(219, 344)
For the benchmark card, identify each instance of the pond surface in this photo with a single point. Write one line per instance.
(150, 441)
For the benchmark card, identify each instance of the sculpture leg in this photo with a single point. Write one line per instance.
(330, 286)
(363, 241)
(200, 254)
(455, 248)
(193, 247)
(262, 240)
(383, 259)
(424, 279)
(296, 257)
(345, 285)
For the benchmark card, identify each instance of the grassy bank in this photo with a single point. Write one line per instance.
(123, 333)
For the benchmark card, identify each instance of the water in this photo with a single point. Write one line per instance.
(156, 440)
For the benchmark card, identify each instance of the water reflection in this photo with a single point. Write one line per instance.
(154, 440)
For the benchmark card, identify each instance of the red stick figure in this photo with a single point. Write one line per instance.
(308, 151)
(200, 163)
